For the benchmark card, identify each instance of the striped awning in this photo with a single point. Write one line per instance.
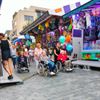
(88, 5)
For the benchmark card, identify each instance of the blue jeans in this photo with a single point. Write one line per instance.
(14, 61)
(51, 66)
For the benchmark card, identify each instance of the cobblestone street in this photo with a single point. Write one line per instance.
(79, 85)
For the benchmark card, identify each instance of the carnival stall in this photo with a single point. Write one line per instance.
(86, 30)
(50, 26)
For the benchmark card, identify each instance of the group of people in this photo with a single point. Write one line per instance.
(58, 54)
(9, 55)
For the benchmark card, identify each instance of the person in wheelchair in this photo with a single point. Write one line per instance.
(64, 59)
(48, 62)
(22, 60)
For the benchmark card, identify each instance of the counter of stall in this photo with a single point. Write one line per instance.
(91, 54)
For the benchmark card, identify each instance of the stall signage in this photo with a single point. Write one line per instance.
(98, 55)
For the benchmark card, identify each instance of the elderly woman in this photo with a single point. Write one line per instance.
(6, 55)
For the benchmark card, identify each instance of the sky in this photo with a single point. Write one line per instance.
(9, 7)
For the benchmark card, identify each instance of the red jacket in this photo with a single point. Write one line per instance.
(62, 57)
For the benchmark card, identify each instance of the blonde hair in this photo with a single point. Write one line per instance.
(38, 45)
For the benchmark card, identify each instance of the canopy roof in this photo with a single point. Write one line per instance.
(87, 6)
(44, 17)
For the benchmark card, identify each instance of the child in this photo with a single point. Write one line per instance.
(64, 59)
(26, 52)
(31, 55)
(22, 59)
(48, 61)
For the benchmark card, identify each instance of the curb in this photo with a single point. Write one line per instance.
(25, 79)
(30, 76)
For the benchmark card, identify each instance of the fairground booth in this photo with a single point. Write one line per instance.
(50, 26)
(86, 30)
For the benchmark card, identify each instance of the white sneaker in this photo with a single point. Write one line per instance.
(52, 73)
(70, 69)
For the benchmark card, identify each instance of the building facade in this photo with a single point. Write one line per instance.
(24, 17)
(9, 34)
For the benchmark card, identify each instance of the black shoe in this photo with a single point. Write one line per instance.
(10, 77)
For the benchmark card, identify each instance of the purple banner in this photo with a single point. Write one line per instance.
(78, 4)
(67, 8)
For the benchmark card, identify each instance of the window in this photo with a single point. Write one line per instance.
(39, 13)
(28, 18)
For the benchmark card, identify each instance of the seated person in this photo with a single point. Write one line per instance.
(49, 61)
(64, 58)
(22, 60)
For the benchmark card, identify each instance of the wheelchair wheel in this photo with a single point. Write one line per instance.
(56, 70)
(27, 70)
(19, 71)
(58, 66)
(46, 72)
(40, 69)
(69, 67)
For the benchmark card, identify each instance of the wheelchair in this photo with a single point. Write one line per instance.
(43, 69)
(22, 67)
(64, 67)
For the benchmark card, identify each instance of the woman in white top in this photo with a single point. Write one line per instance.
(13, 54)
(37, 52)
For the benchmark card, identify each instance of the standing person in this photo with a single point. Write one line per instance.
(13, 54)
(37, 52)
(6, 55)
(31, 54)
(26, 54)
(56, 51)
